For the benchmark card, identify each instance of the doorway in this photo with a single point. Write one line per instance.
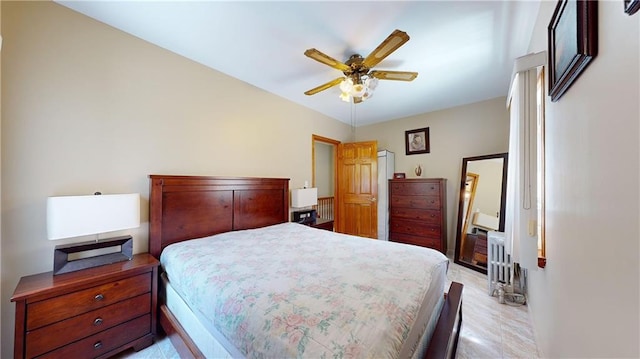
(347, 184)
(324, 157)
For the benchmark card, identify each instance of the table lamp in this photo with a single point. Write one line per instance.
(304, 197)
(75, 216)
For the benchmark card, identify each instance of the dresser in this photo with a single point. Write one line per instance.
(417, 212)
(95, 312)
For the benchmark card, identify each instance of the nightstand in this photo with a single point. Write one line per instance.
(323, 223)
(96, 312)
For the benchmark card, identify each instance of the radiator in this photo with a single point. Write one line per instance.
(498, 262)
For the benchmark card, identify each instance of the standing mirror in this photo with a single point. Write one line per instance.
(481, 207)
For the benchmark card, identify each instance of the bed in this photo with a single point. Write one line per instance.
(281, 289)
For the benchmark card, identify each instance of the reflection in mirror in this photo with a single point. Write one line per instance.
(481, 207)
(470, 186)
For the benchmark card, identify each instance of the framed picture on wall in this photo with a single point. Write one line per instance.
(631, 6)
(573, 43)
(417, 141)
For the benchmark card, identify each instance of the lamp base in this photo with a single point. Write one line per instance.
(62, 263)
(305, 216)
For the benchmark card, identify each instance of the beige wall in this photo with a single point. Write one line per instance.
(89, 108)
(325, 174)
(473, 130)
(585, 303)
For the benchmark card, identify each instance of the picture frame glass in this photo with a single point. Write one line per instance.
(566, 33)
(573, 43)
(417, 141)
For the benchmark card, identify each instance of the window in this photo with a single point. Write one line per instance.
(524, 215)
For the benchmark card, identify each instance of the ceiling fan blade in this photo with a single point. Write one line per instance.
(357, 99)
(327, 60)
(389, 45)
(394, 75)
(323, 87)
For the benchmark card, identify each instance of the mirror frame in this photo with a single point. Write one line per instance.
(503, 198)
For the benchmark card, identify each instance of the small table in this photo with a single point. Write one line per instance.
(323, 223)
(94, 312)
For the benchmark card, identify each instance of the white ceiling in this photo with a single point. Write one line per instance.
(463, 50)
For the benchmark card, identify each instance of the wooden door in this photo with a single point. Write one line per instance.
(357, 176)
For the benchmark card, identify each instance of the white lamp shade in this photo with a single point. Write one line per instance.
(304, 197)
(74, 216)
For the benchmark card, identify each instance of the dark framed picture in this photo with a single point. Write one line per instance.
(417, 141)
(631, 6)
(573, 43)
(399, 176)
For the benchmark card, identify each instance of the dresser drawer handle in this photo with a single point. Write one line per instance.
(99, 297)
(97, 345)
(97, 322)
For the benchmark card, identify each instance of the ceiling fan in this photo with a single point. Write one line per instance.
(359, 80)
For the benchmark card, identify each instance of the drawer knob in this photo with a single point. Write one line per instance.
(97, 322)
(99, 297)
(97, 345)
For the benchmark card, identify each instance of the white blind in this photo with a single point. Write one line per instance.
(521, 238)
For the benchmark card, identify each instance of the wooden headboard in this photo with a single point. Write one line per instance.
(188, 207)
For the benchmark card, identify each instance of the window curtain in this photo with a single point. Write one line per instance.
(521, 239)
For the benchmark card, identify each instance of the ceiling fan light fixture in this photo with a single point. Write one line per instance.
(344, 96)
(358, 90)
(351, 88)
(371, 83)
(346, 85)
(367, 94)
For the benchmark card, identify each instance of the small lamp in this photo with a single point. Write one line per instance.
(304, 197)
(75, 216)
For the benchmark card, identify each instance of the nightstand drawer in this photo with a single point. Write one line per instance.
(326, 224)
(65, 306)
(48, 338)
(105, 341)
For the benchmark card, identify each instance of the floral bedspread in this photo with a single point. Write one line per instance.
(289, 290)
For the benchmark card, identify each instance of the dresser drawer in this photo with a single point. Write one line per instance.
(414, 188)
(65, 306)
(433, 243)
(430, 216)
(53, 336)
(415, 228)
(105, 341)
(419, 202)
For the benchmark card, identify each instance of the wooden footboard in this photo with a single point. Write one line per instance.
(443, 344)
(444, 341)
